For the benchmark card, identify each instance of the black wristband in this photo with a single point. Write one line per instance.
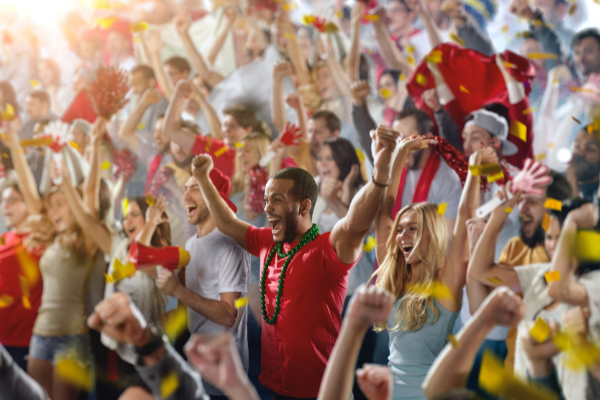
(154, 344)
(379, 184)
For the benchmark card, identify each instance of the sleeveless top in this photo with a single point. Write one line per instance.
(412, 352)
(65, 276)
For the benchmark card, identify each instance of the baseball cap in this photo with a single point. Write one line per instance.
(495, 125)
(223, 186)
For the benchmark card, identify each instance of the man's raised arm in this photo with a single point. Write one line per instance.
(171, 123)
(220, 212)
(349, 233)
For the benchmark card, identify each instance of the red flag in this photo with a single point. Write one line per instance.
(80, 107)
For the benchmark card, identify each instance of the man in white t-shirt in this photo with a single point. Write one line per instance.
(217, 275)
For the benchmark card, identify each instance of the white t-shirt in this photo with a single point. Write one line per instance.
(218, 265)
(445, 188)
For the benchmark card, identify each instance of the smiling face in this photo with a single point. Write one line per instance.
(197, 211)
(551, 238)
(232, 131)
(181, 156)
(400, 16)
(531, 214)
(407, 238)
(326, 84)
(13, 208)
(474, 138)
(318, 132)
(161, 142)
(248, 155)
(59, 212)
(282, 209)
(586, 156)
(326, 165)
(586, 55)
(134, 221)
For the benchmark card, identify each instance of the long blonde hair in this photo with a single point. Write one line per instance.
(394, 276)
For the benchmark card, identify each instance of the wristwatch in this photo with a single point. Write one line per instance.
(154, 344)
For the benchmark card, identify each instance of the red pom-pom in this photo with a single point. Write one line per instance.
(125, 164)
(259, 177)
(108, 91)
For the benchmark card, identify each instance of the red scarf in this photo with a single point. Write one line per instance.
(423, 185)
(152, 172)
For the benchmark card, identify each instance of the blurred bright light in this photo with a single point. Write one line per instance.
(43, 13)
(564, 155)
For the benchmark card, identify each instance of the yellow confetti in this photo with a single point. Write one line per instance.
(572, 9)
(402, 77)
(26, 302)
(508, 210)
(437, 290)
(385, 93)
(485, 169)
(307, 19)
(546, 222)
(360, 155)
(169, 385)
(541, 56)
(141, 126)
(588, 246)
(75, 373)
(421, 80)
(74, 145)
(221, 151)
(553, 204)
(540, 330)
(509, 65)
(331, 27)
(491, 374)
(289, 7)
(125, 207)
(550, 145)
(410, 60)
(2, 241)
(522, 35)
(5, 300)
(24, 286)
(454, 37)
(540, 157)
(289, 36)
(433, 59)
(552, 276)
(441, 209)
(8, 114)
(453, 341)
(105, 165)
(35, 84)
(106, 23)
(137, 40)
(139, 27)
(495, 280)
(410, 48)
(122, 271)
(464, 89)
(241, 302)
(505, 29)
(495, 177)
(109, 279)
(582, 89)
(371, 17)
(239, 145)
(519, 130)
(338, 14)
(176, 324)
(529, 110)
(5, 155)
(150, 200)
(370, 245)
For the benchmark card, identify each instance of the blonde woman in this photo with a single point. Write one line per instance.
(425, 278)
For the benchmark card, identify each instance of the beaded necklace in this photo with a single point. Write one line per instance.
(308, 237)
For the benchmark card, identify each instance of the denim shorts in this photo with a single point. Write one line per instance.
(52, 348)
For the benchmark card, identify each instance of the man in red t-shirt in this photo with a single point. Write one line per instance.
(20, 283)
(302, 309)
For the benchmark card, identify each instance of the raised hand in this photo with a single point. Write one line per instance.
(281, 69)
(586, 216)
(330, 188)
(486, 155)
(154, 212)
(475, 228)
(575, 323)
(430, 97)
(116, 318)
(359, 91)
(416, 6)
(184, 88)
(532, 179)
(359, 9)
(293, 100)
(369, 306)
(98, 129)
(538, 354)
(503, 307)
(231, 13)
(154, 42)
(202, 165)
(10, 138)
(151, 96)
(383, 148)
(416, 142)
(167, 281)
(455, 10)
(217, 359)
(375, 381)
(381, 12)
(182, 22)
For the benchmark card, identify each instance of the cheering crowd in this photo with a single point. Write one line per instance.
(255, 199)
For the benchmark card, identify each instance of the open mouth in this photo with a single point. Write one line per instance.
(326, 174)
(407, 249)
(276, 225)
(191, 209)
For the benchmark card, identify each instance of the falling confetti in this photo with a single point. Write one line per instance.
(385, 93)
(150, 200)
(435, 57)
(2, 241)
(437, 290)
(540, 330)
(370, 244)
(421, 80)
(239, 145)
(510, 65)
(582, 89)
(453, 341)
(552, 276)
(508, 210)
(125, 207)
(122, 271)
(519, 130)
(529, 110)
(139, 27)
(105, 165)
(410, 60)
(505, 29)
(37, 142)
(553, 204)
(546, 222)
(35, 84)
(109, 279)
(572, 9)
(454, 37)
(176, 324)
(441, 209)
(241, 302)
(75, 373)
(141, 126)
(8, 114)
(464, 89)
(588, 246)
(169, 385)
(410, 49)
(221, 151)
(5, 300)
(360, 155)
(542, 56)
(540, 157)
(74, 145)
(495, 280)
(106, 23)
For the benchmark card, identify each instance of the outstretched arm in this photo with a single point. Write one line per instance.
(229, 17)
(92, 181)
(367, 307)
(171, 123)
(390, 52)
(348, 234)
(293, 48)
(281, 69)
(154, 45)
(212, 118)
(431, 29)
(452, 367)
(27, 184)
(220, 212)
(354, 54)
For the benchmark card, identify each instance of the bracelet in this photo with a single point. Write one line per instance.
(154, 344)
(379, 184)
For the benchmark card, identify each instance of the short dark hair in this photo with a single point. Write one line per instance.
(179, 63)
(560, 188)
(585, 33)
(144, 69)
(331, 120)
(304, 187)
(10, 95)
(568, 205)
(425, 124)
(344, 155)
(41, 95)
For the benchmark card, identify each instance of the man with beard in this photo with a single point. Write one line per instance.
(305, 275)
(525, 249)
(584, 171)
(586, 52)
(216, 276)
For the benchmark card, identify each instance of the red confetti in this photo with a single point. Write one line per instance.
(108, 91)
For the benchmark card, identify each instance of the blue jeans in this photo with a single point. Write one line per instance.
(51, 348)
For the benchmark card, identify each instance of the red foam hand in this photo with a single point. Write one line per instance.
(532, 179)
(56, 145)
(291, 135)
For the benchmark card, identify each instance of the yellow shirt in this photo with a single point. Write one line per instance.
(514, 254)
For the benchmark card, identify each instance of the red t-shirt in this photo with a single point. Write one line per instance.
(16, 321)
(295, 349)
(223, 157)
